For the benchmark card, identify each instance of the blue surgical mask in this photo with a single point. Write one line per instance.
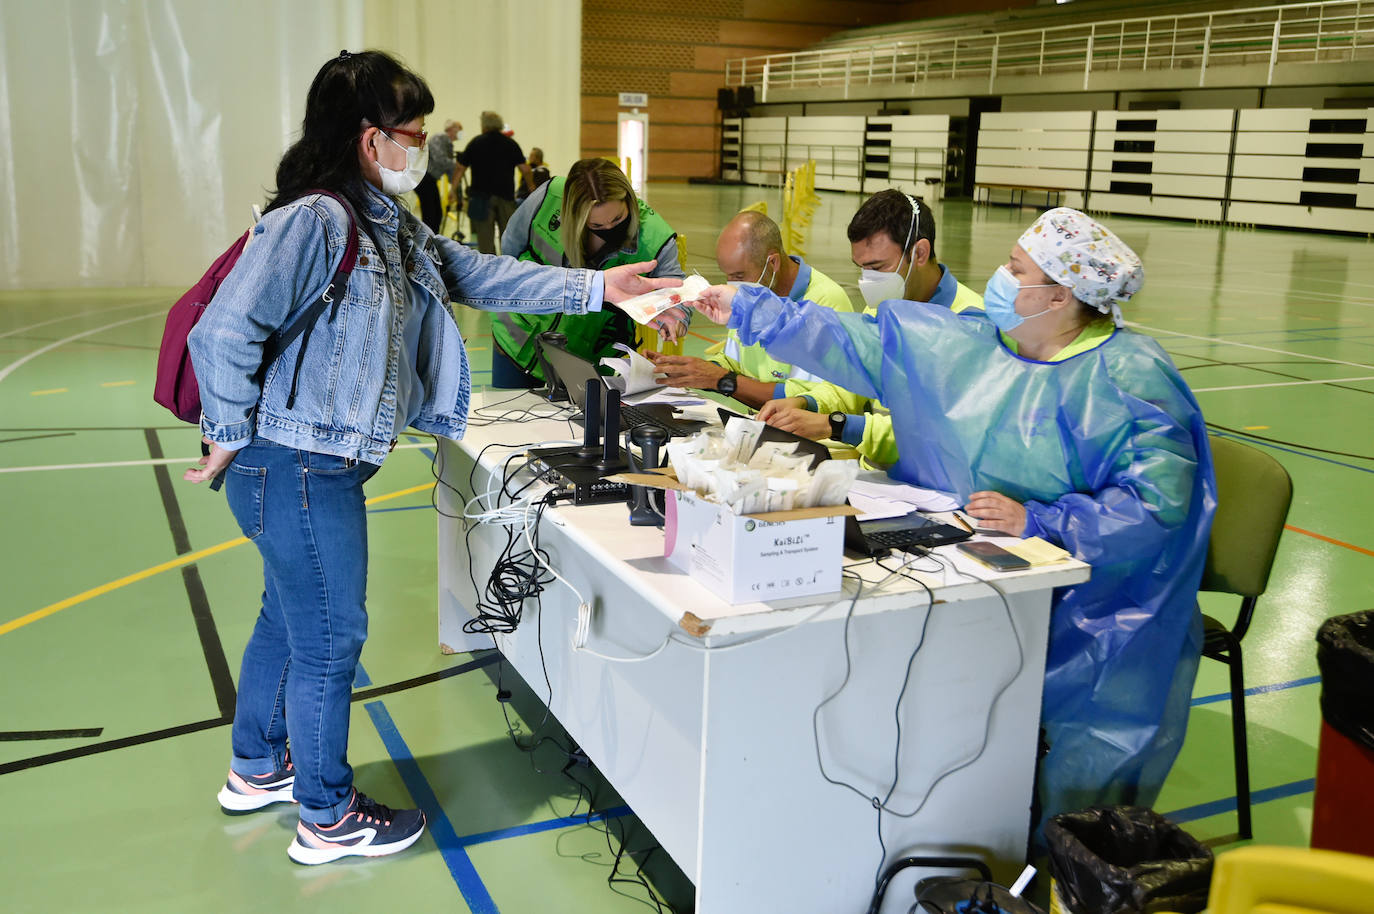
(999, 299)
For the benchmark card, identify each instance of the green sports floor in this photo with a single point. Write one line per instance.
(128, 597)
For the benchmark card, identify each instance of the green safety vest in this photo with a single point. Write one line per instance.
(593, 335)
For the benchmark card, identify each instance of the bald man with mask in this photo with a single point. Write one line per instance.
(749, 252)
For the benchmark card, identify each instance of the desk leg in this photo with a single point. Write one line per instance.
(775, 836)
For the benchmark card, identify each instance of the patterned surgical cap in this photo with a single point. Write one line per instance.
(1081, 253)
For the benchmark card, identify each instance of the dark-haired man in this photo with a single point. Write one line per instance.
(892, 241)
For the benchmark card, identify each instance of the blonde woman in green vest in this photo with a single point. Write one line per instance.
(590, 219)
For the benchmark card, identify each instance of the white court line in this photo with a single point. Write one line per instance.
(69, 317)
(1213, 339)
(189, 461)
(1208, 390)
(5, 372)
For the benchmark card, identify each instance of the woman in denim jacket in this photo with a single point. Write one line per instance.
(296, 447)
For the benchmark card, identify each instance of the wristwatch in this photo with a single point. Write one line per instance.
(726, 384)
(837, 419)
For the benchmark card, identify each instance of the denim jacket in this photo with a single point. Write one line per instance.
(346, 396)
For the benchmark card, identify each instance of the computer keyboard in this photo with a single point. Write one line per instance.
(896, 539)
(630, 416)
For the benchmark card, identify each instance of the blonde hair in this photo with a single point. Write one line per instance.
(590, 182)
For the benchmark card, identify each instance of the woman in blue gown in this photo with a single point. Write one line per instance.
(1048, 418)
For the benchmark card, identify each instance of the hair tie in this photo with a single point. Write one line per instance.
(345, 54)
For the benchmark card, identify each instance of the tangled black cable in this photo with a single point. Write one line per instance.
(516, 576)
(880, 804)
(618, 853)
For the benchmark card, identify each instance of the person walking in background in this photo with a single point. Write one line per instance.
(491, 192)
(539, 172)
(441, 163)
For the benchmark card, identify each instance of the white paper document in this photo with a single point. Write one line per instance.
(633, 373)
(672, 396)
(880, 487)
(871, 508)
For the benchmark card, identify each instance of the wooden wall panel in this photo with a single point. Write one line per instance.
(675, 50)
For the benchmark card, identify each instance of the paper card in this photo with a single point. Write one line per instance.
(646, 307)
(1036, 551)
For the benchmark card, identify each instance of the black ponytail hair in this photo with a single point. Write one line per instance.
(351, 89)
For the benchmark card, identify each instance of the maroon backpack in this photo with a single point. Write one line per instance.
(176, 387)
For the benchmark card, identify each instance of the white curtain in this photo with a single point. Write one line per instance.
(136, 134)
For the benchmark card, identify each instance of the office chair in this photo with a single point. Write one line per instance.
(1291, 880)
(1253, 495)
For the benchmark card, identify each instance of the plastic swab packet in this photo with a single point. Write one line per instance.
(646, 307)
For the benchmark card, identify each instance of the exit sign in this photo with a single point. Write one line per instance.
(634, 99)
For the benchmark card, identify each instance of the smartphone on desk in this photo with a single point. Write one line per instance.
(993, 556)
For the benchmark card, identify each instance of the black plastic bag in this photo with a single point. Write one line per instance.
(1345, 656)
(952, 895)
(1126, 860)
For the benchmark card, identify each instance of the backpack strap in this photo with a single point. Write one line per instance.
(330, 298)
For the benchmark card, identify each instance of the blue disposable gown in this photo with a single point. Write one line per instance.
(1108, 452)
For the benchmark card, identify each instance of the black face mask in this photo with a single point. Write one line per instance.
(615, 235)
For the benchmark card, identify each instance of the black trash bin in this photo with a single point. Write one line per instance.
(1125, 860)
(1343, 805)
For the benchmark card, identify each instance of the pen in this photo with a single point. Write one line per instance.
(960, 518)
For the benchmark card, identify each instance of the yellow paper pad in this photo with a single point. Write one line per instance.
(1036, 551)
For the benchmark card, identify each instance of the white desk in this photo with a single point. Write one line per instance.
(713, 748)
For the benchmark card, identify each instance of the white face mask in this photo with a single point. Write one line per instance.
(738, 284)
(459, 137)
(878, 286)
(395, 182)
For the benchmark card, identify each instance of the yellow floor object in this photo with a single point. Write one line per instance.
(1291, 880)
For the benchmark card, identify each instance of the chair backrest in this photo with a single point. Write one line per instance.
(1253, 495)
(1290, 880)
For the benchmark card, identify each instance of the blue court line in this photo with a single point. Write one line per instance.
(1257, 690)
(1217, 807)
(424, 450)
(534, 828)
(411, 508)
(1288, 450)
(450, 846)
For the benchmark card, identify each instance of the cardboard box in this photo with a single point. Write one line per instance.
(755, 558)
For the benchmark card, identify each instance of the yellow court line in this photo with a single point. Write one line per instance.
(118, 383)
(44, 393)
(146, 573)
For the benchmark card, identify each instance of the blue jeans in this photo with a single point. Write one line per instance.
(304, 512)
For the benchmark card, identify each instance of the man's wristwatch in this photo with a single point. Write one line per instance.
(727, 382)
(837, 419)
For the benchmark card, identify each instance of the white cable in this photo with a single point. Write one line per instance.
(639, 659)
(529, 541)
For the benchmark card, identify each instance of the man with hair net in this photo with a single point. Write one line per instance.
(1048, 418)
